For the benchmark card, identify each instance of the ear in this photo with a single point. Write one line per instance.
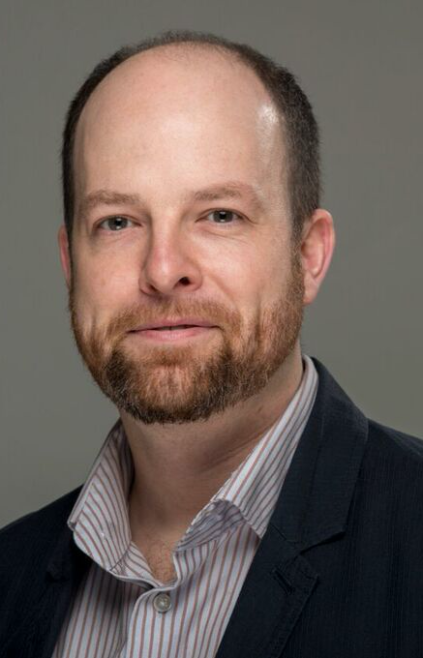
(65, 257)
(318, 243)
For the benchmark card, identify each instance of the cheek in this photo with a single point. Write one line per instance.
(261, 270)
(250, 282)
(102, 287)
(234, 271)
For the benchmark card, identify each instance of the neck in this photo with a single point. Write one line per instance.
(178, 468)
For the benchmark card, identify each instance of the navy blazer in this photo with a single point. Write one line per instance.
(338, 573)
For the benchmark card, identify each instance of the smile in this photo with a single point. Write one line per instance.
(172, 334)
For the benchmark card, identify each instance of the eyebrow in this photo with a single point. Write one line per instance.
(229, 190)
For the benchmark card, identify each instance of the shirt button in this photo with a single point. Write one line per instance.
(162, 602)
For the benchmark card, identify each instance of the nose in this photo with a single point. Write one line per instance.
(169, 263)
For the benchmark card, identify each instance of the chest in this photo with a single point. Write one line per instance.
(158, 556)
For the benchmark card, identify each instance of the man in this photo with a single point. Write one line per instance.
(241, 505)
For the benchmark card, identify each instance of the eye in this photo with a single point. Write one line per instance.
(116, 223)
(224, 217)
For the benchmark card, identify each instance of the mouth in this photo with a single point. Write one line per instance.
(174, 328)
(173, 333)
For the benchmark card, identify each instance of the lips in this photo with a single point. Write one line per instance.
(179, 323)
(177, 326)
(173, 334)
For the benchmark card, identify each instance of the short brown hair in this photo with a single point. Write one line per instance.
(301, 130)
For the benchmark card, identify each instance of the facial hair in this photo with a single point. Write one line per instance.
(187, 383)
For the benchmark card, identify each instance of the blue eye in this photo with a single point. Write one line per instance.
(223, 215)
(118, 225)
(118, 222)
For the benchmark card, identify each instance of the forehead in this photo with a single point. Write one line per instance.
(197, 103)
(179, 73)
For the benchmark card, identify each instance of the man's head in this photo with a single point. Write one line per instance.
(181, 204)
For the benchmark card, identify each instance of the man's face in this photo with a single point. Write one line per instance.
(147, 246)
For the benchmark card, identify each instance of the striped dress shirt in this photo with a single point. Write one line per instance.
(120, 609)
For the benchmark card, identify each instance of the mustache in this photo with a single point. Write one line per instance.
(130, 318)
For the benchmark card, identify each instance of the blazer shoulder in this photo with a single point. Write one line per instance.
(35, 532)
(396, 444)
(393, 461)
(27, 547)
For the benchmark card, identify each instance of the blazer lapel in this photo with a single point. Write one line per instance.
(312, 507)
(277, 587)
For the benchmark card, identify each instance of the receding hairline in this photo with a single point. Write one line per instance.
(179, 51)
(187, 50)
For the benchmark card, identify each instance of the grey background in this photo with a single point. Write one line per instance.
(360, 63)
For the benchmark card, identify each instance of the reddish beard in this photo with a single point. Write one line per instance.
(180, 384)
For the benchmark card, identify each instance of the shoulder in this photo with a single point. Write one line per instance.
(42, 517)
(27, 546)
(34, 535)
(388, 444)
(391, 474)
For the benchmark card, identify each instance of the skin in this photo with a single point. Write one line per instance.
(162, 125)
